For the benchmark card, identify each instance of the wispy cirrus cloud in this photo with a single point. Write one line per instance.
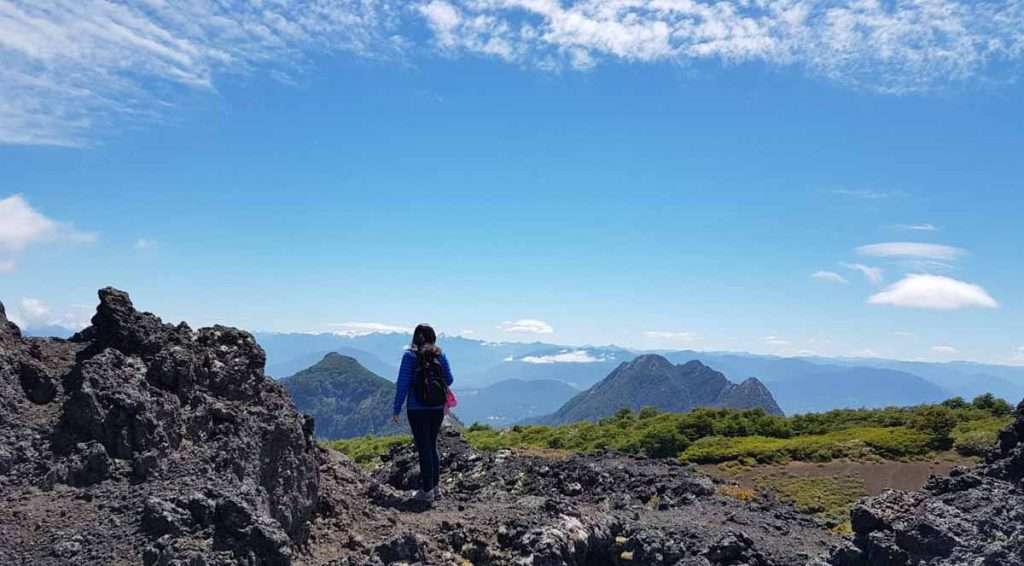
(872, 274)
(527, 326)
(73, 68)
(935, 292)
(364, 328)
(912, 250)
(866, 194)
(925, 227)
(829, 277)
(675, 336)
(564, 357)
(899, 46)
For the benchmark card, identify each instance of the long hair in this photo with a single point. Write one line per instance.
(424, 343)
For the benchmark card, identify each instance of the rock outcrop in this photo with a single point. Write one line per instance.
(138, 441)
(971, 517)
(603, 509)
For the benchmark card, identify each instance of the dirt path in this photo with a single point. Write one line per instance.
(877, 476)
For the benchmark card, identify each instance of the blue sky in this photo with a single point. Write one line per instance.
(650, 174)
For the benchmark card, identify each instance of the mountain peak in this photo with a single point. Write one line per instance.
(649, 362)
(336, 360)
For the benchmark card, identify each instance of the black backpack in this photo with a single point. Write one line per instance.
(429, 384)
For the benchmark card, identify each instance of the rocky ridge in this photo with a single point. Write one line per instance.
(137, 441)
(140, 441)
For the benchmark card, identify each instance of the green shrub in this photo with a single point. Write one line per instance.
(992, 404)
(974, 438)
(938, 422)
(858, 443)
(367, 450)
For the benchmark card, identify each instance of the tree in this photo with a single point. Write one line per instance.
(992, 404)
(939, 422)
(955, 403)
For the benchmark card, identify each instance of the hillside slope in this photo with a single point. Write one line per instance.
(653, 381)
(344, 398)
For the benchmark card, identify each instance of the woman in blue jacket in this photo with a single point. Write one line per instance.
(423, 365)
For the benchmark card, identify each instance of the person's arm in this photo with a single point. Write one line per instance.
(447, 370)
(402, 386)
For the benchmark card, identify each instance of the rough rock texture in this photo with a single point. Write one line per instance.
(971, 517)
(141, 442)
(507, 508)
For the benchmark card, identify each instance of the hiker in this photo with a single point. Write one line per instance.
(424, 379)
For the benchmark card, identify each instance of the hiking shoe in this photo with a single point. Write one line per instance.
(424, 496)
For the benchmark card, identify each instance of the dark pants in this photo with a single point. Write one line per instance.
(426, 424)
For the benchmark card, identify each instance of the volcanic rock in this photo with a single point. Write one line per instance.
(188, 453)
(969, 517)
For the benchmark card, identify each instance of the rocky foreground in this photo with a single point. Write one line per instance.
(142, 442)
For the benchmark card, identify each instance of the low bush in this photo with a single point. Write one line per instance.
(748, 436)
(367, 450)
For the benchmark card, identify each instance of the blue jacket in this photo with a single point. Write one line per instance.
(405, 376)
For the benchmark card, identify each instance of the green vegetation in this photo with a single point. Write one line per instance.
(853, 443)
(750, 437)
(973, 438)
(367, 450)
(829, 498)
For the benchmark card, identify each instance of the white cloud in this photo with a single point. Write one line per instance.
(72, 66)
(829, 276)
(865, 353)
(912, 250)
(933, 292)
(1018, 354)
(32, 312)
(872, 274)
(866, 194)
(564, 357)
(144, 244)
(672, 336)
(527, 326)
(776, 341)
(945, 350)
(917, 227)
(886, 46)
(364, 328)
(75, 67)
(22, 225)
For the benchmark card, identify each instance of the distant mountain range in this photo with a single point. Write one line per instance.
(799, 385)
(652, 381)
(344, 398)
(512, 400)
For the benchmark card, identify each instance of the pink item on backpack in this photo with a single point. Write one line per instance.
(450, 401)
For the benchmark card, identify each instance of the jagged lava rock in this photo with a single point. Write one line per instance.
(138, 441)
(970, 517)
